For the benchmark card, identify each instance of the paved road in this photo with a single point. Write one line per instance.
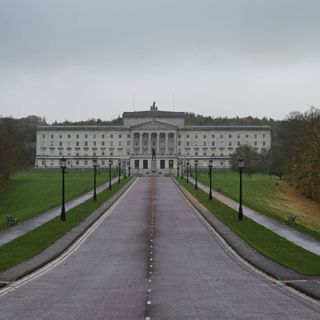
(153, 257)
(282, 229)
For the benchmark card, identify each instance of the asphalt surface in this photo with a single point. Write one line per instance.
(153, 257)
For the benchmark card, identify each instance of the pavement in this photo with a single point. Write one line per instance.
(32, 223)
(152, 256)
(282, 229)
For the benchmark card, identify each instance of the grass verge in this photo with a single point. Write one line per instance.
(263, 240)
(35, 241)
(271, 197)
(33, 192)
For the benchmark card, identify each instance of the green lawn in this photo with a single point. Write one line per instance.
(33, 192)
(263, 240)
(268, 195)
(37, 240)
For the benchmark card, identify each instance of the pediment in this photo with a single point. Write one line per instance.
(153, 125)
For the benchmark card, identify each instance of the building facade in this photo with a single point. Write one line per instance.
(144, 135)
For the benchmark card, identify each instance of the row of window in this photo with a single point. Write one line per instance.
(111, 136)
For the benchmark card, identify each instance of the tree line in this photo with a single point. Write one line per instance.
(294, 154)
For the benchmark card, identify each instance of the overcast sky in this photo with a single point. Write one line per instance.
(76, 59)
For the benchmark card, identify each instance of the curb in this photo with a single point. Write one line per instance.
(58, 247)
(309, 285)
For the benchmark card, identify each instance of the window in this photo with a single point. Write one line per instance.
(94, 154)
(188, 143)
(204, 153)
(213, 143)
(102, 143)
(119, 136)
(196, 136)
(94, 136)
(94, 143)
(230, 136)
(111, 143)
(221, 163)
(204, 136)
(238, 136)
(111, 136)
(52, 136)
(264, 143)
(102, 136)
(255, 143)
(255, 136)
(77, 162)
(86, 136)
(69, 136)
(85, 162)
(230, 144)
(128, 136)
(136, 164)
(60, 144)
(213, 136)
(102, 153)
(247, 136)
(119, 143)
(238, 143)
(188, 136)
(179, 143)
(221, 136)
(60, 136)
(77, 136)
(102, 162)
(86, 143)
(77, 143)
(204, 143)
(263, 135)
(43, 136)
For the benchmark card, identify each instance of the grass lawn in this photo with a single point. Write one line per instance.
(33, 192)
(268, 195)
(40, 238)
(263, 240)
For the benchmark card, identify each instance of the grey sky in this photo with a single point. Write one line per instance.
(75, 59)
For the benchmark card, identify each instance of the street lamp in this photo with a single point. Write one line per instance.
(196, 172)
(182, 164)
(119, 170)
(129, 168)
(95, 165)
(187, 171)
(210, 178)
(178, 167)
(110, 164)
(241, 166)
(63, 168)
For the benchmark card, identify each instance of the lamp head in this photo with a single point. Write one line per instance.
(95, 162)
(63, 162)
(241, 163)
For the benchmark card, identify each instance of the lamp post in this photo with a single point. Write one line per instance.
(210, 178)
(196, 173)
(63, 168)
(119, 170)
(182, 173)
(110, 164)
(95, 165)
(241, 166)
(129, 169)
(187, 171)
(178, 168)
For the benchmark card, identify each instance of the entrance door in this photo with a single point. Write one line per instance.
(162, 164)
(145, 164)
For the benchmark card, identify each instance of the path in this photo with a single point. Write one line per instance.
(153, 257)
(277, 227)
(32, 223)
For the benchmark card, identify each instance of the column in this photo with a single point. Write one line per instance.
(140, 143)
(149, 143)
(158, 143)
(167, 139)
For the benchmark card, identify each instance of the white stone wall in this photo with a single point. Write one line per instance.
(129, 122)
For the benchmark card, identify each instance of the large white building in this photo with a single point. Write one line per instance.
(143, 133)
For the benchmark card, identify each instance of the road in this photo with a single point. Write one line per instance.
(153, 257)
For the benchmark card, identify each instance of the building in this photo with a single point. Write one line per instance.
(144, 133)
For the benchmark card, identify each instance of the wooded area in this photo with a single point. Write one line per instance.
(294, 155)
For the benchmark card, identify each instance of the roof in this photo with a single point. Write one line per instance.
(154, 113)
